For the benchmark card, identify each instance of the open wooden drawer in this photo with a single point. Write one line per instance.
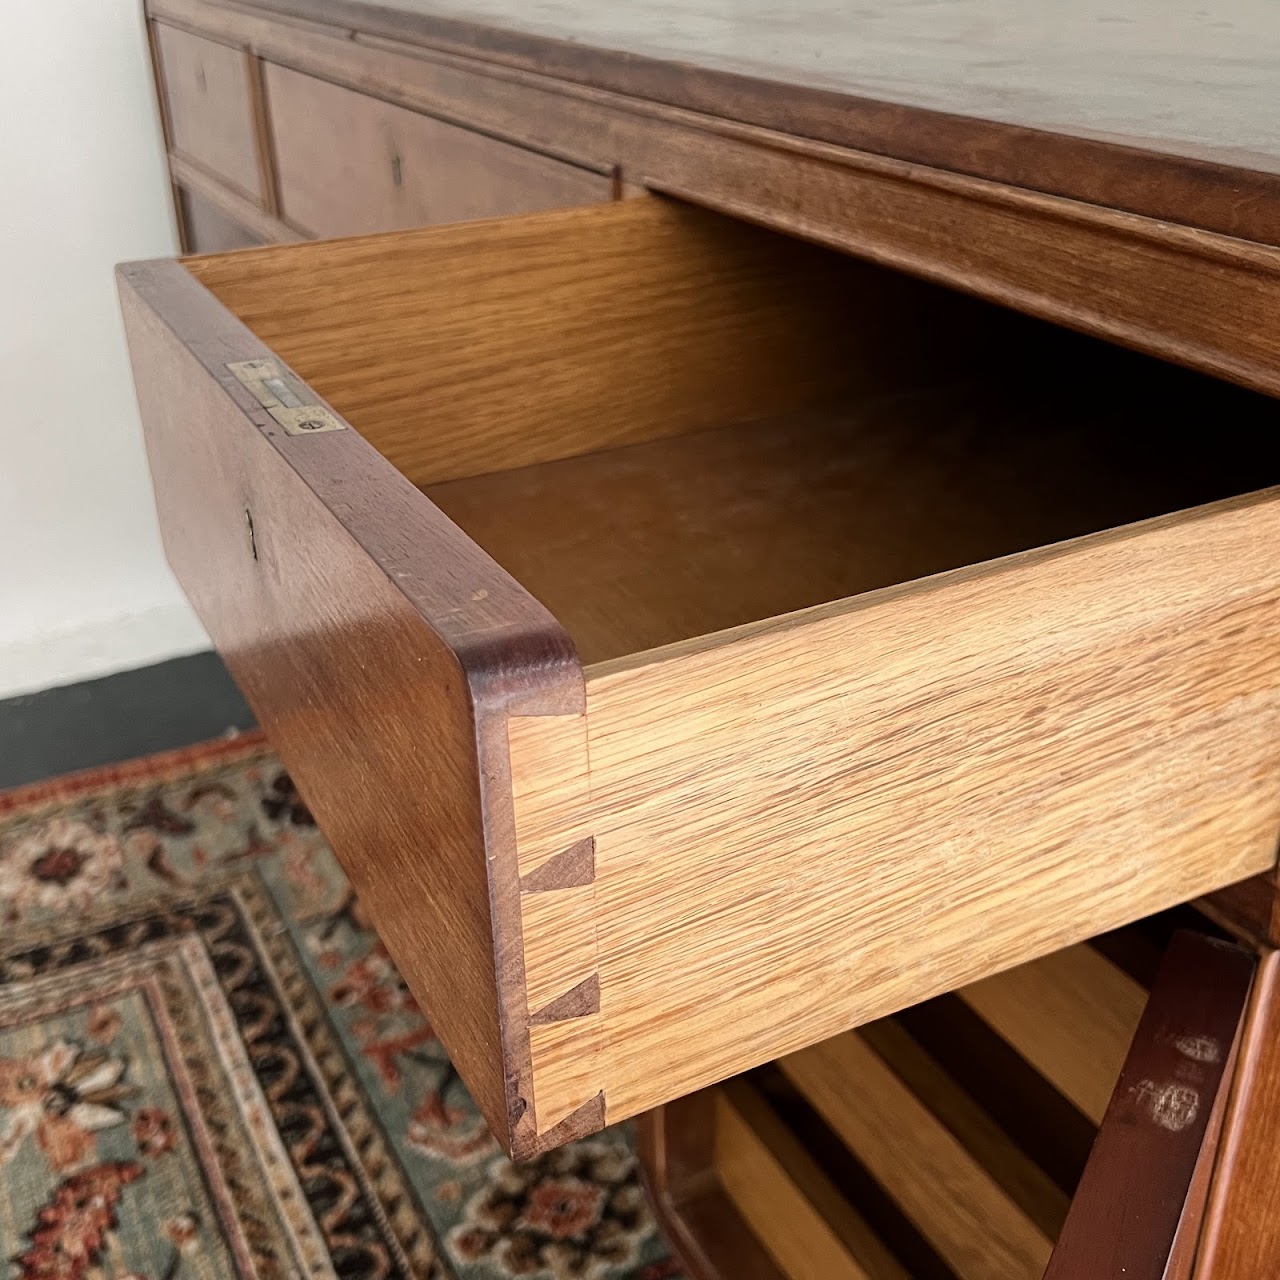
(818, 676)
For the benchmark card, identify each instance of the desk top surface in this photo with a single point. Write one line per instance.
(1166, 108)
(1179, 76)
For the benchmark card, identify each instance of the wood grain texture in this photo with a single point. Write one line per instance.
(1048, 726)
(357, 620)
(1014, 1171)
(792, 1230)
(1160, 110)
(455, 325)
(781, 1154)
(644, 546)
(965, 1215)
(1071, 1014)
(1134, 1195)
(350, 164)
(1121, 276)
(1241, 1234)
(210, 106)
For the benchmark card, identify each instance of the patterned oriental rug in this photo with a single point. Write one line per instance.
(209, 1066)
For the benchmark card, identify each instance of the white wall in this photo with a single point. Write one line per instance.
(84, 589)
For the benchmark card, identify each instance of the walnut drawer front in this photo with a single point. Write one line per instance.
(207, 90)
(696, 643)
(350, 164)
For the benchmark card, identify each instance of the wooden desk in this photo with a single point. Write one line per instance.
(707, 788)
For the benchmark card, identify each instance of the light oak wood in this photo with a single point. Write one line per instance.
(792, 1230)
(1047, 727)
(970, 1221)
(350, 164)
(209, 98)
(1017, 1173)
(634, 320)
(1072, 1015)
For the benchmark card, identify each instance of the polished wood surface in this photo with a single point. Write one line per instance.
(349, 164)
(1120, 276)
(1158, 109)
(356, 619)
(1241, 1237)
(209, 101)
(1137, 1189)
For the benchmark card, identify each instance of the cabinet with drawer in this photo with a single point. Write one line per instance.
(350, 164)
(673, 623)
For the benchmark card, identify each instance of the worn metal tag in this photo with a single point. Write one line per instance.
(285, 398)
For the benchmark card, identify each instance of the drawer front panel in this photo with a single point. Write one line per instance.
(210, 100)
(209, 230)
(350, 164)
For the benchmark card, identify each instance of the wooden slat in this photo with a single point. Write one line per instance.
(1033, 1190)
(766, 1139)
(1137, 1192)
(1071, 1014)
(793, 1231)
(955, 1203)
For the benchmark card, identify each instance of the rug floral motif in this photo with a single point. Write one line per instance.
(210, 1068)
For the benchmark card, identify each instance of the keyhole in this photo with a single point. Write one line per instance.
(395, 170)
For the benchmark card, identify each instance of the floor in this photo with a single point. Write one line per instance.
(118, 717)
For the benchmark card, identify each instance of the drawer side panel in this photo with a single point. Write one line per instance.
(378, 648)
(810, 824)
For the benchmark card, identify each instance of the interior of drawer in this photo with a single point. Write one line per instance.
(665, 423)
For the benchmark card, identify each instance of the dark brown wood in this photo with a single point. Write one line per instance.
(1137, 1188)
(1211, 184)
(350, 164)
(676, 1146)
(353, 635)
(1108, 273)
(1249, 910)
(1241, 1236)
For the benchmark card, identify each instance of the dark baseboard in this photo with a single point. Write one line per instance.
(116, 718)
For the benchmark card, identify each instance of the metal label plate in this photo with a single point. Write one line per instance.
(285, 398)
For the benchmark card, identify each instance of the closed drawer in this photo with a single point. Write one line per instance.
(673, 624)
(208, 229)
(350, 164)
(207, 90)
